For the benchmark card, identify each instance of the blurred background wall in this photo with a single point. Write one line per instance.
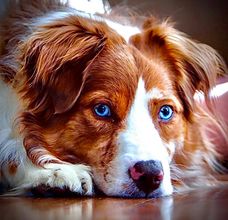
(204, 20)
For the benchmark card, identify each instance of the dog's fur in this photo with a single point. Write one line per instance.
(57, 64)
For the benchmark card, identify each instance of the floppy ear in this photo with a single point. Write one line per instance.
(54, 62)
(193, 66)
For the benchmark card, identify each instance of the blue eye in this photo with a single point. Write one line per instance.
(165, 113)
(102, 110)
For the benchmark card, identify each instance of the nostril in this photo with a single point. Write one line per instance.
(158, 177)
(135, 175)
(147, 175)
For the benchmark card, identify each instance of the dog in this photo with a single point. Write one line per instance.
(87, 103)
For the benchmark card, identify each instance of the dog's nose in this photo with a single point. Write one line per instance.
(147, 175)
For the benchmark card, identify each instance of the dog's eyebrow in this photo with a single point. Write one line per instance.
(156, 93)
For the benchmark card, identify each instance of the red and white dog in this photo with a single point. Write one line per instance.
(87, 102)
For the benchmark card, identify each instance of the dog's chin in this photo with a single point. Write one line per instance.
(130, 192)
(139, 194)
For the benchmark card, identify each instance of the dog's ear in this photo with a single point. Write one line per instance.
(55, 59)
(193, 66)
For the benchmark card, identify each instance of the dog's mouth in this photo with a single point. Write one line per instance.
(142, 180)
(131, 191)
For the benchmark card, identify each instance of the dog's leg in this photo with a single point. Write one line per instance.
(74, 177)
(19, 173)
(24, 175)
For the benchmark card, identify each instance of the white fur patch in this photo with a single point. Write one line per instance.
(76, 177)
(10, 142)
(126, 31)
(9, 139)
(92, 7)
(155, 94)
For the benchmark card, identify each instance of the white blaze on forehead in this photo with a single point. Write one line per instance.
(140, 141)
(140, 137)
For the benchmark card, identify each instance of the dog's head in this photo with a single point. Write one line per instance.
(123, 109)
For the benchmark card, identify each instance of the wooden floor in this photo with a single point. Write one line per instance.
(204, 204)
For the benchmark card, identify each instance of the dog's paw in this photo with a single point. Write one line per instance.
(76, 178)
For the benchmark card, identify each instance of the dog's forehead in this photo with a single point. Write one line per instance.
(122, 67)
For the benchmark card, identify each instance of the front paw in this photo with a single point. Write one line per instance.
(76, 178)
